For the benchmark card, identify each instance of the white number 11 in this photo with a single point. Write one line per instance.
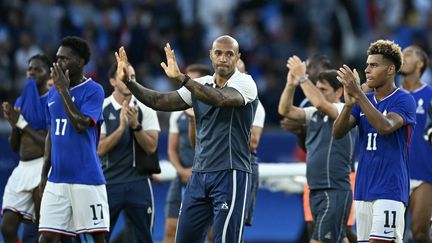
(371, 145)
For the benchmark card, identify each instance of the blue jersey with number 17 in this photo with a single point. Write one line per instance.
(74, 158)
(383, 159)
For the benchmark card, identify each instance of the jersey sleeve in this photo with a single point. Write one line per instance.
(246, 86)
(355, 112)
(309, 111)
(186, 95)
(259, 116)
(173, 127)
(149, 119)
(92, 105)
(405, 106)
(339, 107)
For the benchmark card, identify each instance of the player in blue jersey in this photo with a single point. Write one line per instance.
(224, 106)
(21, 200)
(420, 166)
(386, 118)
(74, 199)
(181, 155)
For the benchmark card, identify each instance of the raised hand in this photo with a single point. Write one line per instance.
(171, 68)
(10, 113)
(350, 80)
(296, 67)
(122, 64)
(60, 79)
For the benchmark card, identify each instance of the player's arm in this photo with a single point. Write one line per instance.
(167, 101)
(46, 164)
(61, 82)
(344, 122)
(13, 116)
(225, 97)
(383, 124)
(298, 71)
(146, 138)
(286, 107)
(191, 126)
(174, 156)
(255, 137)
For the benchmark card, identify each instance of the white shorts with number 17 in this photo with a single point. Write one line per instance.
(380, 220)
(72, 209)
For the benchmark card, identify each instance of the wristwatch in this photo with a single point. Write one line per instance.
(303, 79)
(137, 128)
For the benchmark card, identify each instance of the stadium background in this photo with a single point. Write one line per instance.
(268, 33)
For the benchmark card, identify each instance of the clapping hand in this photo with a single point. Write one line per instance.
(297, 69)
(350, 80)
(10, 113)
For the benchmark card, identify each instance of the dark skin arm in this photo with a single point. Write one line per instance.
(12, 116)
(61, 81)
(171, 101)
(383, 124)
(47, 163)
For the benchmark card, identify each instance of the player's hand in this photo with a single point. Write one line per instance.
(122, 65)
(350, 80)
(61, 79)
(190, 113)
(123, 115)
(349, 100)
(292, 126)
(297, 68)
(185, 174)
(171, 68)
(10, 114)
(132, 115)
(292, 82)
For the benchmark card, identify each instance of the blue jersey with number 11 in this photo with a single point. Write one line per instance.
(74, 158)
(383, 159)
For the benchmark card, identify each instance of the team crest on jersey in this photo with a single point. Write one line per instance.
(111, 116)
(149, 210)
(73, 98)
(420, 109)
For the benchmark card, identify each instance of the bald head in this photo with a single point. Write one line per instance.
(226, 39)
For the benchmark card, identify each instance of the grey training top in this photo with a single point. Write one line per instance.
(223, 133)
(328, 160)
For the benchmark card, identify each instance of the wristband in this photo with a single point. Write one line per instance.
(21, 123)
(185, 80)
(303, 79)
(137, 128)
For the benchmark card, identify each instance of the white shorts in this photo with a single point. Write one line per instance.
(18, 193)
(380, 220)
(72, 209)
(414, 184)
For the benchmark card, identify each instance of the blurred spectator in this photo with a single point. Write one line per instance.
(268, 32)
